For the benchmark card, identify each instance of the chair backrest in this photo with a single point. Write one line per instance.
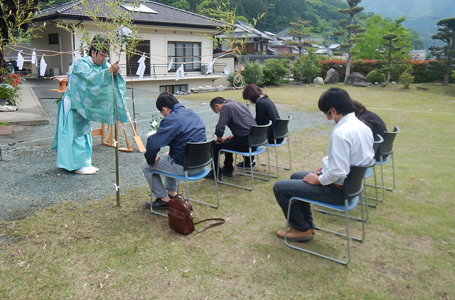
(197, 155)
(387, 145)
(377, 141)
(258, 135)
(281, 128)
(353, 184)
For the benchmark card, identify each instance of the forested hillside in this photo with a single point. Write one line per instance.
(421, 15)
(278, 13)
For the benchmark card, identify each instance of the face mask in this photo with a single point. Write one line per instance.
(331, 121)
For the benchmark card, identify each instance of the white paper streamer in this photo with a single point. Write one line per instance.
(141, 69)
(76, 58)
(169, 66)
(42, 66)
(20, 60)
(180, 73)
(34, 60)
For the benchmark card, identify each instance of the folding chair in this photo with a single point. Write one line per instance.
(257, 138)
(353, 186)
(377, 142)
(196, 155)
(281, 132)
(386, 148)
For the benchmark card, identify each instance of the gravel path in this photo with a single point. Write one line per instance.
(30, 179)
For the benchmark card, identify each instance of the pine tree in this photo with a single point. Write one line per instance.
(300, 32)
(446, 33)
(353, 31)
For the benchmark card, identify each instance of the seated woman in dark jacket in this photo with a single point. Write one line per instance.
(370, 119)
(265, 111)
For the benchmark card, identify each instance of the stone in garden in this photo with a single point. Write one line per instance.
(356, 78)
(318, 80)
(383, 84)
(332, 76)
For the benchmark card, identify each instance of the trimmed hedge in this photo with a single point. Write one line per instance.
(421, 72)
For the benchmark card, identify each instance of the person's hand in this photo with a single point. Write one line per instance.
(318, 171)
(115, 68)
(312, 179)
(229, 137)
(157, 159)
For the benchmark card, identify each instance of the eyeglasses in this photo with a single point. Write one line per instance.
(104, 56)
(328, 113)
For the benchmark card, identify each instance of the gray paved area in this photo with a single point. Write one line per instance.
(31, 180)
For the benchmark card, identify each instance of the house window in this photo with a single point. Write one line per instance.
(174, 89)
(53, 39)
(187, 53)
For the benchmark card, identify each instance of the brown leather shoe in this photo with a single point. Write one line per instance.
(313, 231)
(295, 235)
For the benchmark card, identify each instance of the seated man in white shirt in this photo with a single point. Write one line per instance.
(351, 144)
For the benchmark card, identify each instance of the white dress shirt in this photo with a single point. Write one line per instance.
(351, 144)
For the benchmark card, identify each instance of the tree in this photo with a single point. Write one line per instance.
(353, 31)
(275, 70)
(372, 44)
(182, 4)
(307, 66)
(395, 56)
(299, 31)
(446, 33)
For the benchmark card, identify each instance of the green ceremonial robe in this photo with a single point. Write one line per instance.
(89, 97)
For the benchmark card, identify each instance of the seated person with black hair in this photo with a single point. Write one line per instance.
(265, 111)
(351, 144)
(370, 119)
(179, 127)
(239, 119)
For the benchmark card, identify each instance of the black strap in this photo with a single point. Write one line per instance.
(221, 222)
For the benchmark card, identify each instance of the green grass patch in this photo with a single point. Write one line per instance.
(98, 251)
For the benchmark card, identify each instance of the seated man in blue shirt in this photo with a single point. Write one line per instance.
(351, 144)
(179, 127)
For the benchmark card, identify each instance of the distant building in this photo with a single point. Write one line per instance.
(419, 54)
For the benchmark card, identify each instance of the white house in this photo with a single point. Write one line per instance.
(166, 34)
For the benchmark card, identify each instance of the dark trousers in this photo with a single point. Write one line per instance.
(236, 144)
(301, 217)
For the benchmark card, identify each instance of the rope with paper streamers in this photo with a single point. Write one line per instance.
(238, 81)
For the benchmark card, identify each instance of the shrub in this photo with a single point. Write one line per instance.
(406, 79)
(252, 73)
(307, 66)
(275, 70)
(365, 66)
(375, 76)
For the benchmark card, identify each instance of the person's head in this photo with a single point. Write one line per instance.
(358, 107)
(217, 103)
(99, 49)
(165, 102)
(252, 92)
(335, 103)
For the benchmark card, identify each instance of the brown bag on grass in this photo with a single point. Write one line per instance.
(181, 216)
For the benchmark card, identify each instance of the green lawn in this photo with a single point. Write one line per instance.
(97, 251)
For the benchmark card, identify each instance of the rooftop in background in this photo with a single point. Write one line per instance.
(149, 12)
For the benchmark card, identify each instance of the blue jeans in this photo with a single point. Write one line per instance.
(301, 217)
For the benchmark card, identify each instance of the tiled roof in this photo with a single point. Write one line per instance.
(166, 15)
